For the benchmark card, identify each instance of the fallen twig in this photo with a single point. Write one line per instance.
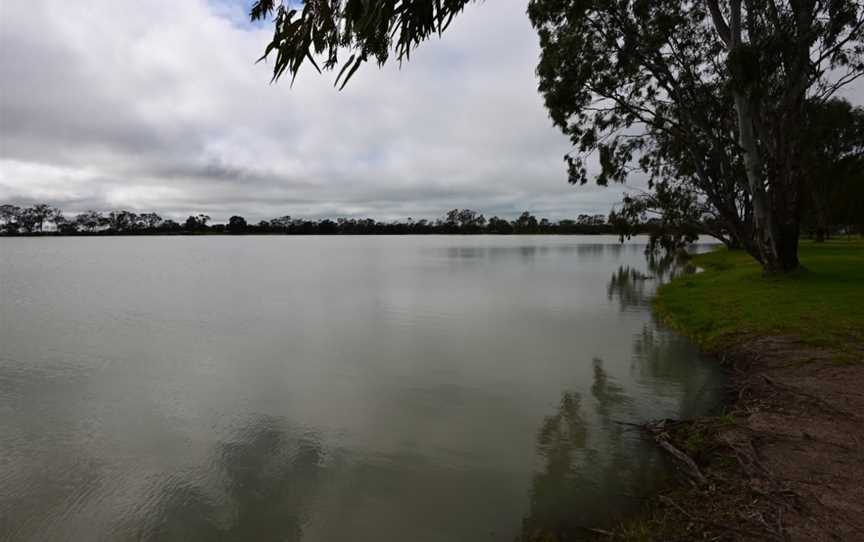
(692, 468)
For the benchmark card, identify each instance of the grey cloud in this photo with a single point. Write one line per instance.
(166, 111)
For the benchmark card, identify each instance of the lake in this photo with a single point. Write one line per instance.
(441, 388)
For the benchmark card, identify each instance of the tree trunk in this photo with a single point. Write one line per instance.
(771, 243)
(820, 235)
(776, 213)
(787, 249)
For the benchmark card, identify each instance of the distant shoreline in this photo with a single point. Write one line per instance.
(43, 219)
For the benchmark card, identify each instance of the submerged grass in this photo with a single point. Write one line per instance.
(822, 304)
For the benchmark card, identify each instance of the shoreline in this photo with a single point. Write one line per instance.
(785, 459)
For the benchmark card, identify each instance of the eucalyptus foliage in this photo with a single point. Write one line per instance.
(321, 30)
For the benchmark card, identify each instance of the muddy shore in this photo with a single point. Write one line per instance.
(784, 462)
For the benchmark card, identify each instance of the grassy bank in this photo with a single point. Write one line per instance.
(822, 304)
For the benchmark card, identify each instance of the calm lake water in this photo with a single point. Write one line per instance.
(330, 388)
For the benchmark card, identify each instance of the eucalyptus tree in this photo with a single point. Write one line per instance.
(281, 223)
(150, 221)
(41, 213)
(65, 225)
(91, 220)
(237, 224)
(9, 217)
(464, 221)
(709, 93)
(196, 223)
(123, 221)
(27, 220)
(526, 223)
(499, 226)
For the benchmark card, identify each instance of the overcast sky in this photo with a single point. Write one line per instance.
(157, 105)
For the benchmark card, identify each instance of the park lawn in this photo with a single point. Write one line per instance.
(822, 304)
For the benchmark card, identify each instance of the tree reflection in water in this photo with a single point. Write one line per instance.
(662, 360)
(596, 470)
(269, 478)
(634, 288)
(628, 286)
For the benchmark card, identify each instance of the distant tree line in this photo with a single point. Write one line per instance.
(45, 219)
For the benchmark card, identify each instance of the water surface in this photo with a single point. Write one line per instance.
(330, 388)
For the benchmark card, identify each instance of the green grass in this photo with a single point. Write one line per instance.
(822, 304)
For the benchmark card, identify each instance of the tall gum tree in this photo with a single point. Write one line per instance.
(704, 94)
(780, 55)
(708, 93)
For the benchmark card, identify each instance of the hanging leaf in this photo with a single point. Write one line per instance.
(364, 28)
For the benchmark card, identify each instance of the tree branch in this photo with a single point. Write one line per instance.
(719, 22)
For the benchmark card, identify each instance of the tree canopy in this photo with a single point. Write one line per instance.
(834, 162)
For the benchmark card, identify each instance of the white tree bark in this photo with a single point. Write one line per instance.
(762, 217)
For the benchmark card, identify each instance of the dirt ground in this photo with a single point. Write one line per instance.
(786, 461)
